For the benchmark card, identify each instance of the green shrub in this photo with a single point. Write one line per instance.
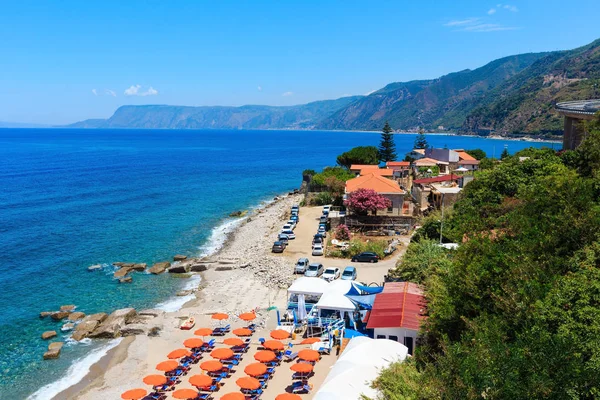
(340, 173)
(322, 199)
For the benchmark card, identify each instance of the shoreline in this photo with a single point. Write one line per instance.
(114, 358)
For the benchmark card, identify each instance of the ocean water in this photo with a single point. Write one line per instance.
(73, 198)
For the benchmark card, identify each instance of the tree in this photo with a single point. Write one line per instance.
(363, 201)
(365, 155)
(505, 154)
(478, 154)
(387, 147)
(342, 232)
(337, 172)
(421, 141)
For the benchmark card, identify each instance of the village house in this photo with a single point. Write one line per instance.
(385, 187)
(401, 168)
(357, 168)
(430, 192)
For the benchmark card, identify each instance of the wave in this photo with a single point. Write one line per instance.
(175, 303)
(76, 372)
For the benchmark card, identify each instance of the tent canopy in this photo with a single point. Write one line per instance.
(335, 301)
(308, 286)
(339, 286)
(358, 289)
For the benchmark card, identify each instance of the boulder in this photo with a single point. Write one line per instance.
(94, 267)
(198, 268)
(98, 317)
(127, 265)
(154, 331)
(111, 327)
(121, 272)
(68, 307)
(126, 279)
(179, 257)
(53, 350)
(84, 329)
(151, 313)
(59, 315)
(139, 267)
(45, 314)
(75, 316)
(134, 329)
(223, 268)
(48, 334)
(118, 264)
(159, 268)
(178, 269)
(184, 293)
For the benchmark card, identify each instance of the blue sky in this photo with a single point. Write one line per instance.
(70, 60)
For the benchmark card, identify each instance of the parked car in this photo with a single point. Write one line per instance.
(323, 219)
(322, 231)
(278, 247)
(292, 223)
(349, 274)
(301, 266)
(366, 257)
(314, 269)
(331, 274)
(282, 237)
(317, 249)
(296, 209)
(290, 234)
(326, 208)
(295, 218)
(287, 227)
(318, 238)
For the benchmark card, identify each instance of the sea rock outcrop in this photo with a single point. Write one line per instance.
(126, 279)
(150, 313)
(98, 317)
(94, 267)
(48, 335)
(159, 268)
(59, 315)
(53, 350)
(83, 329)
(69, 326)
(179, 257)
(111, 327)
(45, 314)
(178, 269)
(198, 268)
(76, 316)
(68, 307)
(121, 272)
(139, 267)
(134, 329)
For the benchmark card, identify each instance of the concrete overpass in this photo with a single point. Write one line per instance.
(575, 112)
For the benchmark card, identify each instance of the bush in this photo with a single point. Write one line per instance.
(342, 232)
(421, 259)
(337, 172)
(363, 201)
(356, 246)
(435, 170)
(366, 155)
(322, 199)
(476, 153)
(309, 172)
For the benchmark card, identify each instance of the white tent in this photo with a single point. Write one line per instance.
(360, 364)
(339, 286)
(335, 301)
(309, 286)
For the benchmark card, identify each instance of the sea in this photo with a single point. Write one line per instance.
(74, 198)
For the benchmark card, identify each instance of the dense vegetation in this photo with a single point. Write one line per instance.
(514, 313)
(361, 155)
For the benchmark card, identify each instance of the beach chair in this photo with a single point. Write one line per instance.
(300, 387)
(261, 342)
(324, 350)
(230, 361)
(204, 396)
(252, 327)
(207, 346)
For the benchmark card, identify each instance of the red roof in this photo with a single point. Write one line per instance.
(441, 178)
(400, 305)
(468, 162)
(374, 182)
(398, 164)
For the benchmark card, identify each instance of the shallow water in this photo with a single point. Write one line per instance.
(73, 198)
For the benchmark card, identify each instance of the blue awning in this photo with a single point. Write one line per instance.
(358, 290)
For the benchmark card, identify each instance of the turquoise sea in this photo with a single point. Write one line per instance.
(73, 198)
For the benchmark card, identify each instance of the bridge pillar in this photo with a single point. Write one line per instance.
(574, 133)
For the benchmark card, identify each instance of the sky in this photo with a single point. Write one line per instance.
(71, 60)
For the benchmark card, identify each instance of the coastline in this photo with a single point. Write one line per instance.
(243, 235)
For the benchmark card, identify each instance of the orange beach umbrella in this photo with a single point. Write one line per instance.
(220, 316)
(275, 345)
(242, 332)
(264, 356)
(222, 353)
(256, 369)
(155, 380)
(303, 368)
(248, 382)
(212, 365)
(185, 394)
(134, 394)
(280, 334)
(310, 340)
(179, 353)
(167, 366)
(202, 380)
(308, 355)
(193, 342)
(247, 316)
(233, 341)
(203, 332)
(288, 396)
(234, 396)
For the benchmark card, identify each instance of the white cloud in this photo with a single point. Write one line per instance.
(477, 25)
(95, 92)
(259, 88)
(110, 92)
(286, 94)
(508, 7)
(134, 90)
(461, 22)
(492, 11)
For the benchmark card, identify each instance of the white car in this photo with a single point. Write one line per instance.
(331, 274)
(290, 234)
(326, 208)
(322, 231)
(317, 250)
(287, 227)
(292, 223)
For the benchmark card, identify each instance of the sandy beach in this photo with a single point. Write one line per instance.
(243, 276)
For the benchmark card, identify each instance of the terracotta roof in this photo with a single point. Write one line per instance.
(400, 305)
(468, 162)
(442, 178)
(463, 155)
(397, 164)
(427, 162)
(374, 182)
(378, 171)
(363, 166)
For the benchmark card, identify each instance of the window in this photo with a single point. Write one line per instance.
(390, 209)
(394, 338)
(380, 336)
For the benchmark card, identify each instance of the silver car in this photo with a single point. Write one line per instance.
(301, 266)
(317, 250)
(314, 270)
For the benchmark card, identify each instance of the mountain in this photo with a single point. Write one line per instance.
(304, 116)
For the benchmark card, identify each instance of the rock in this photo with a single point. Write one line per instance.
(67, 327)
(139, 266)
(178, 269)
(127, 265)
(159, 268)
(238, 214)
(59, 315)
(48, 334)
(68, 307)
(45, 314)
(134, 329)
(151, 313)
(94, 267)
(53, 350)
(198, 268)
(244, 265)
(223, 268)
(118, 264)
(75, 316)
(154, 331)
(112, 326)
(179, 257)
(84, 329)
(98, 317)
(122, 272)
(126, 279)
(184, 293)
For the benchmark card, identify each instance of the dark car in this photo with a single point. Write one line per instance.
(366, 257)
(283, 238)
(278, 247)
(318, 238)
